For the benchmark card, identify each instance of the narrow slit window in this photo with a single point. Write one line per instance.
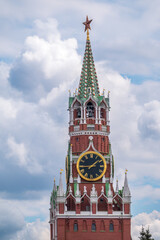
(75, 227)
(111, 227)
(93, 226)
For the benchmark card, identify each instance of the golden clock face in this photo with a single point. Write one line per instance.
(91, 166)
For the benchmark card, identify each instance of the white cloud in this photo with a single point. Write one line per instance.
(34, 117)
(8, 110)
(35, 230)
(149, 121)
(13, 212)
(19, 152)
(46, 63)
(11, 220)
(151, 220)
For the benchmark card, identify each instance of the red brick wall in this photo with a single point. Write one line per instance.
(102, 229)
(80, 143)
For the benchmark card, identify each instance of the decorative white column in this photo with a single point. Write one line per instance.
(81, 115)
(107, 116)
(71, 177)
(96, 115)
(84, 115)
(71, 116)
(99, 115)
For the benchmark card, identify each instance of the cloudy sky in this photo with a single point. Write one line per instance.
(42, 44)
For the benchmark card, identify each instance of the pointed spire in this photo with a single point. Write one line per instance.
(85, 189)
(126, 191)
(70, 189)
(93, 191)
(60, 191)
(77, 191)
(88, 81)
(78, 179)
(54, 186)
(102, 189)
(110, 195)
(117, 188)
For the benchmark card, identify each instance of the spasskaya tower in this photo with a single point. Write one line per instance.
(90, 208)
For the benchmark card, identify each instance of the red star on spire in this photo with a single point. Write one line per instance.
(87, 24)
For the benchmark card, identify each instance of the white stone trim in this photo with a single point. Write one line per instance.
(86, 132)
(89, 214)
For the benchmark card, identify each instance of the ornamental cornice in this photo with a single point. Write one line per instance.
(79, 133)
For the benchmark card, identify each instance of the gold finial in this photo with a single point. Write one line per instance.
(54, 179)
(126, 171)
(61, 171)
(88, 34)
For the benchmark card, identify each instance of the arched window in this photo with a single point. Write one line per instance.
(75, 228)
(90, 110)
(111, 227)
(93, 226)
(102, 204)
(70, 204)
(85, 204)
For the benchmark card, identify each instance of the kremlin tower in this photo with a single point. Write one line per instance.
(90, 208)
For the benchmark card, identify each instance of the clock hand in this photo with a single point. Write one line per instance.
(85, 166)
(93, 165)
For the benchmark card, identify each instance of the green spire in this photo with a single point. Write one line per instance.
(88, 81)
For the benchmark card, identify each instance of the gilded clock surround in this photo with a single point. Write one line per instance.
(102, 168)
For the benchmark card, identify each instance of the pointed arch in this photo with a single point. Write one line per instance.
(90, 110)
(117, 203)
(76, 102)
(70, 203)
(85, 203)
(77, 109)
(91, 99)
(102, 203)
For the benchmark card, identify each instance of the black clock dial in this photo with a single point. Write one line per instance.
(91, 166)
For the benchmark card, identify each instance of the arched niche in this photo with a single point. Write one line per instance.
(77, 109)
(70, 203)
(90, 109)
(103, 110)
(85, 203)
(102, 204)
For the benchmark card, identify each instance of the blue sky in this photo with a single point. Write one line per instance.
(41, 49)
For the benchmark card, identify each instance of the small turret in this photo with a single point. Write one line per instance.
(126, 195)
(117, 188)
(60, 192)
(126, 191)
